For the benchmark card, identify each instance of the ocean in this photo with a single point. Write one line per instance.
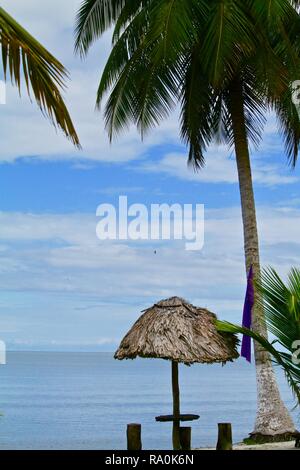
(85, 400)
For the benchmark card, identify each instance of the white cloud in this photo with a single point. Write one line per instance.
(27, 134)
(61, 252)
(220, 168)
(119, 190)
(55, 272)
(58, 281)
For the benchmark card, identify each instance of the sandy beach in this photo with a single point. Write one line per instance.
(290, 445)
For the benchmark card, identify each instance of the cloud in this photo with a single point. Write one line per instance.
(63, 345)
(27, 134)
(61, 252)
(21, 120)
(58, 281)
(119, 190)
(220, 168)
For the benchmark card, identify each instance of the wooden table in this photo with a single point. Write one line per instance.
(184, 433)
(171, 418)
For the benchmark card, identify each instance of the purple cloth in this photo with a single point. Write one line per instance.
(247, 314)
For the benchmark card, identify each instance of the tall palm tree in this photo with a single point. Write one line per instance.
(44, 75)
(225, 62)
(282, 310)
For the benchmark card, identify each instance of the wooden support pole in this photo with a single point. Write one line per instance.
(224, 437)
(185, 437)
(176, 406)
(134, 439)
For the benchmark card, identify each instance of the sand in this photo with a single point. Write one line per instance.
(290, 445)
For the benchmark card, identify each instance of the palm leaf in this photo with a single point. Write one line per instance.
(174, 26)
(281, 303)
(253, 41)
(43, 73)
(124, 50)
(120, 109)
(228, 37)
(284, 360)
(288, 123)
(93, 19)
(271, 12)
(197, 104)
(130, 10)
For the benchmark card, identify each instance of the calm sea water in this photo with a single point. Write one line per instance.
(85, 400)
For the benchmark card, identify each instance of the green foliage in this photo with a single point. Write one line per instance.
(170, 52)
(261, 439)
(282, 311)
(44, 75)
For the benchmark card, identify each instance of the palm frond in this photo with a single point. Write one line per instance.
(93, 19)
(143, 84)
(253, 104)
(288, 118)
(131, 9)
(281, 303)
(120, 109)
(174, 26)
(143, 93)
(228, 37)
(272, 12)
(197, 104)
(254, 41)
(43, 73)
(157, 93)
(284, 360)
(124, 49)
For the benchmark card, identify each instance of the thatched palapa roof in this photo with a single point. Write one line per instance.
(177, 330)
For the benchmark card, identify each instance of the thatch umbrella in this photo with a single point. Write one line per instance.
(175, 330)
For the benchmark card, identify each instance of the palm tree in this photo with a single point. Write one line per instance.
(44, 75)
(225, 62)
(282, 310)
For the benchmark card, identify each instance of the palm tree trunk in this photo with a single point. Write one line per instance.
(272, 416)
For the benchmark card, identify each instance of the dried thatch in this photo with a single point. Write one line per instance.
(176, 330)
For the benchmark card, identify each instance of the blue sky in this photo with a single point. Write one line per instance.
(62, 288)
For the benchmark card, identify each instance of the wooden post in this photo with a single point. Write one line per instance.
(134, 440)
(224, 437)
(185, 438)
(176, 406)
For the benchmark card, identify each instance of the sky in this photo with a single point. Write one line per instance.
(61, 288)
